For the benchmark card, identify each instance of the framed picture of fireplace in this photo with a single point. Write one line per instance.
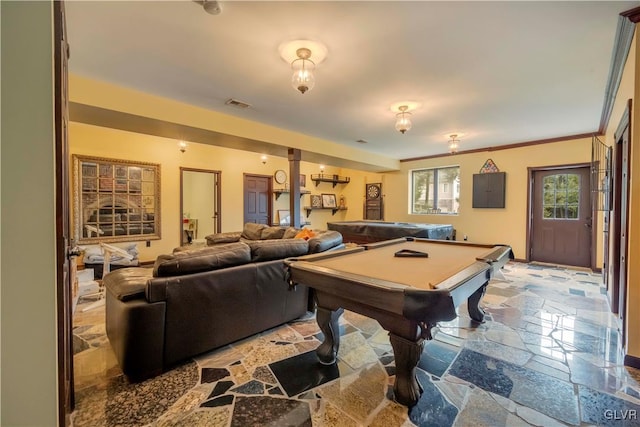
(115, 200)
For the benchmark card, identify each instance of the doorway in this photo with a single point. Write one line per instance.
(257, 199)
(560, 218)
(199, 204)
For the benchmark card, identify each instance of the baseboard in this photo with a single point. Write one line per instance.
(632, 361)
(146, 263)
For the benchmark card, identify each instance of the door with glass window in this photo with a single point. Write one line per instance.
(561, 217)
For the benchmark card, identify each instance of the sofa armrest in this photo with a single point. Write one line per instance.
(324, 240)
(136, 333)
(228, 237)
(126, 284)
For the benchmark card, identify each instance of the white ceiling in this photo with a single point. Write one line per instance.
(500, 72)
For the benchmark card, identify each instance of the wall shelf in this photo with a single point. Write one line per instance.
(278, 192)
(334, 179)
(333, 210)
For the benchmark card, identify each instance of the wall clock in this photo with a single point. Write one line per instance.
(280, 176)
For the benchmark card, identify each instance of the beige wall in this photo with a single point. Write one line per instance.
(104, 95)
(28, 239)
(506, 225)
(630, 89)
(98, 141)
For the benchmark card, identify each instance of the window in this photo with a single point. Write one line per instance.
(435, 190)
(561, 196)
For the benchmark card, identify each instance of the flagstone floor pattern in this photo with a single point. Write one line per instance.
(547, 355)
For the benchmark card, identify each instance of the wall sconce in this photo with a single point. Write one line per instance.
(453, 143)
(298, 53)
(321, 170)
(263, 159)
(183, 146)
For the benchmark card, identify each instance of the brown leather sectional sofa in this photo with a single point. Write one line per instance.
(194, 301)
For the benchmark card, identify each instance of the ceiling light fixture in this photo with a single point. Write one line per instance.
(403, 121)
(298, 55)
(303, 79)
(212, 7)
(453, 143)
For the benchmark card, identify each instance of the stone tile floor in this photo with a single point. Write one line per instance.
(547, 355)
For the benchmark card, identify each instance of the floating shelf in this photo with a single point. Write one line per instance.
(281, 191)
(333, 210)
(334, 179)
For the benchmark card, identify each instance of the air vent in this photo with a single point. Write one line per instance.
(237, 104)
(362, 141)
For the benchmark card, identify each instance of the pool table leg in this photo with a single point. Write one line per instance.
(407, 353)
(473, 304)
(328, 323)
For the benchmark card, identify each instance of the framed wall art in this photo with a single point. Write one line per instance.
(316, 201)
(329, 201)
(115, 200)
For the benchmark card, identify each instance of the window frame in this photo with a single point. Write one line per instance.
(455, 187)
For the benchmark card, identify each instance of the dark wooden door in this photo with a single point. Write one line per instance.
(619, 224)
(561, 217)
(257, 199)
(65, 264)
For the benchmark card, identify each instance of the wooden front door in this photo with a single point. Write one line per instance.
(561, 216)
(257, 199)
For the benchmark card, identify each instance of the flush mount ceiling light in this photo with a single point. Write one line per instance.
(298, 53)
(403, 115)
(211, 6)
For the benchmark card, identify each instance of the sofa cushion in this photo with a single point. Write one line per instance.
(202, 259)
(290, 233)
(324, 240)
(272, 233)
(266, 250)
(253, 231)
(127, 283)
(228, 237)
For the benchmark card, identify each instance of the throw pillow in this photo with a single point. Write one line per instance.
(305, 234)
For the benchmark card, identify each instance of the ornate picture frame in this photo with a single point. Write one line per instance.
(115, 200)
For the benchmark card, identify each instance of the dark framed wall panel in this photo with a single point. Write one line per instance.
(489, 190)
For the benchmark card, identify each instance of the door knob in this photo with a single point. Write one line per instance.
(73, 252)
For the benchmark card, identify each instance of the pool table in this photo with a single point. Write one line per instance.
(362, 232)
(407, 294)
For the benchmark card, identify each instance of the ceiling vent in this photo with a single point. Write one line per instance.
(237, 104)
